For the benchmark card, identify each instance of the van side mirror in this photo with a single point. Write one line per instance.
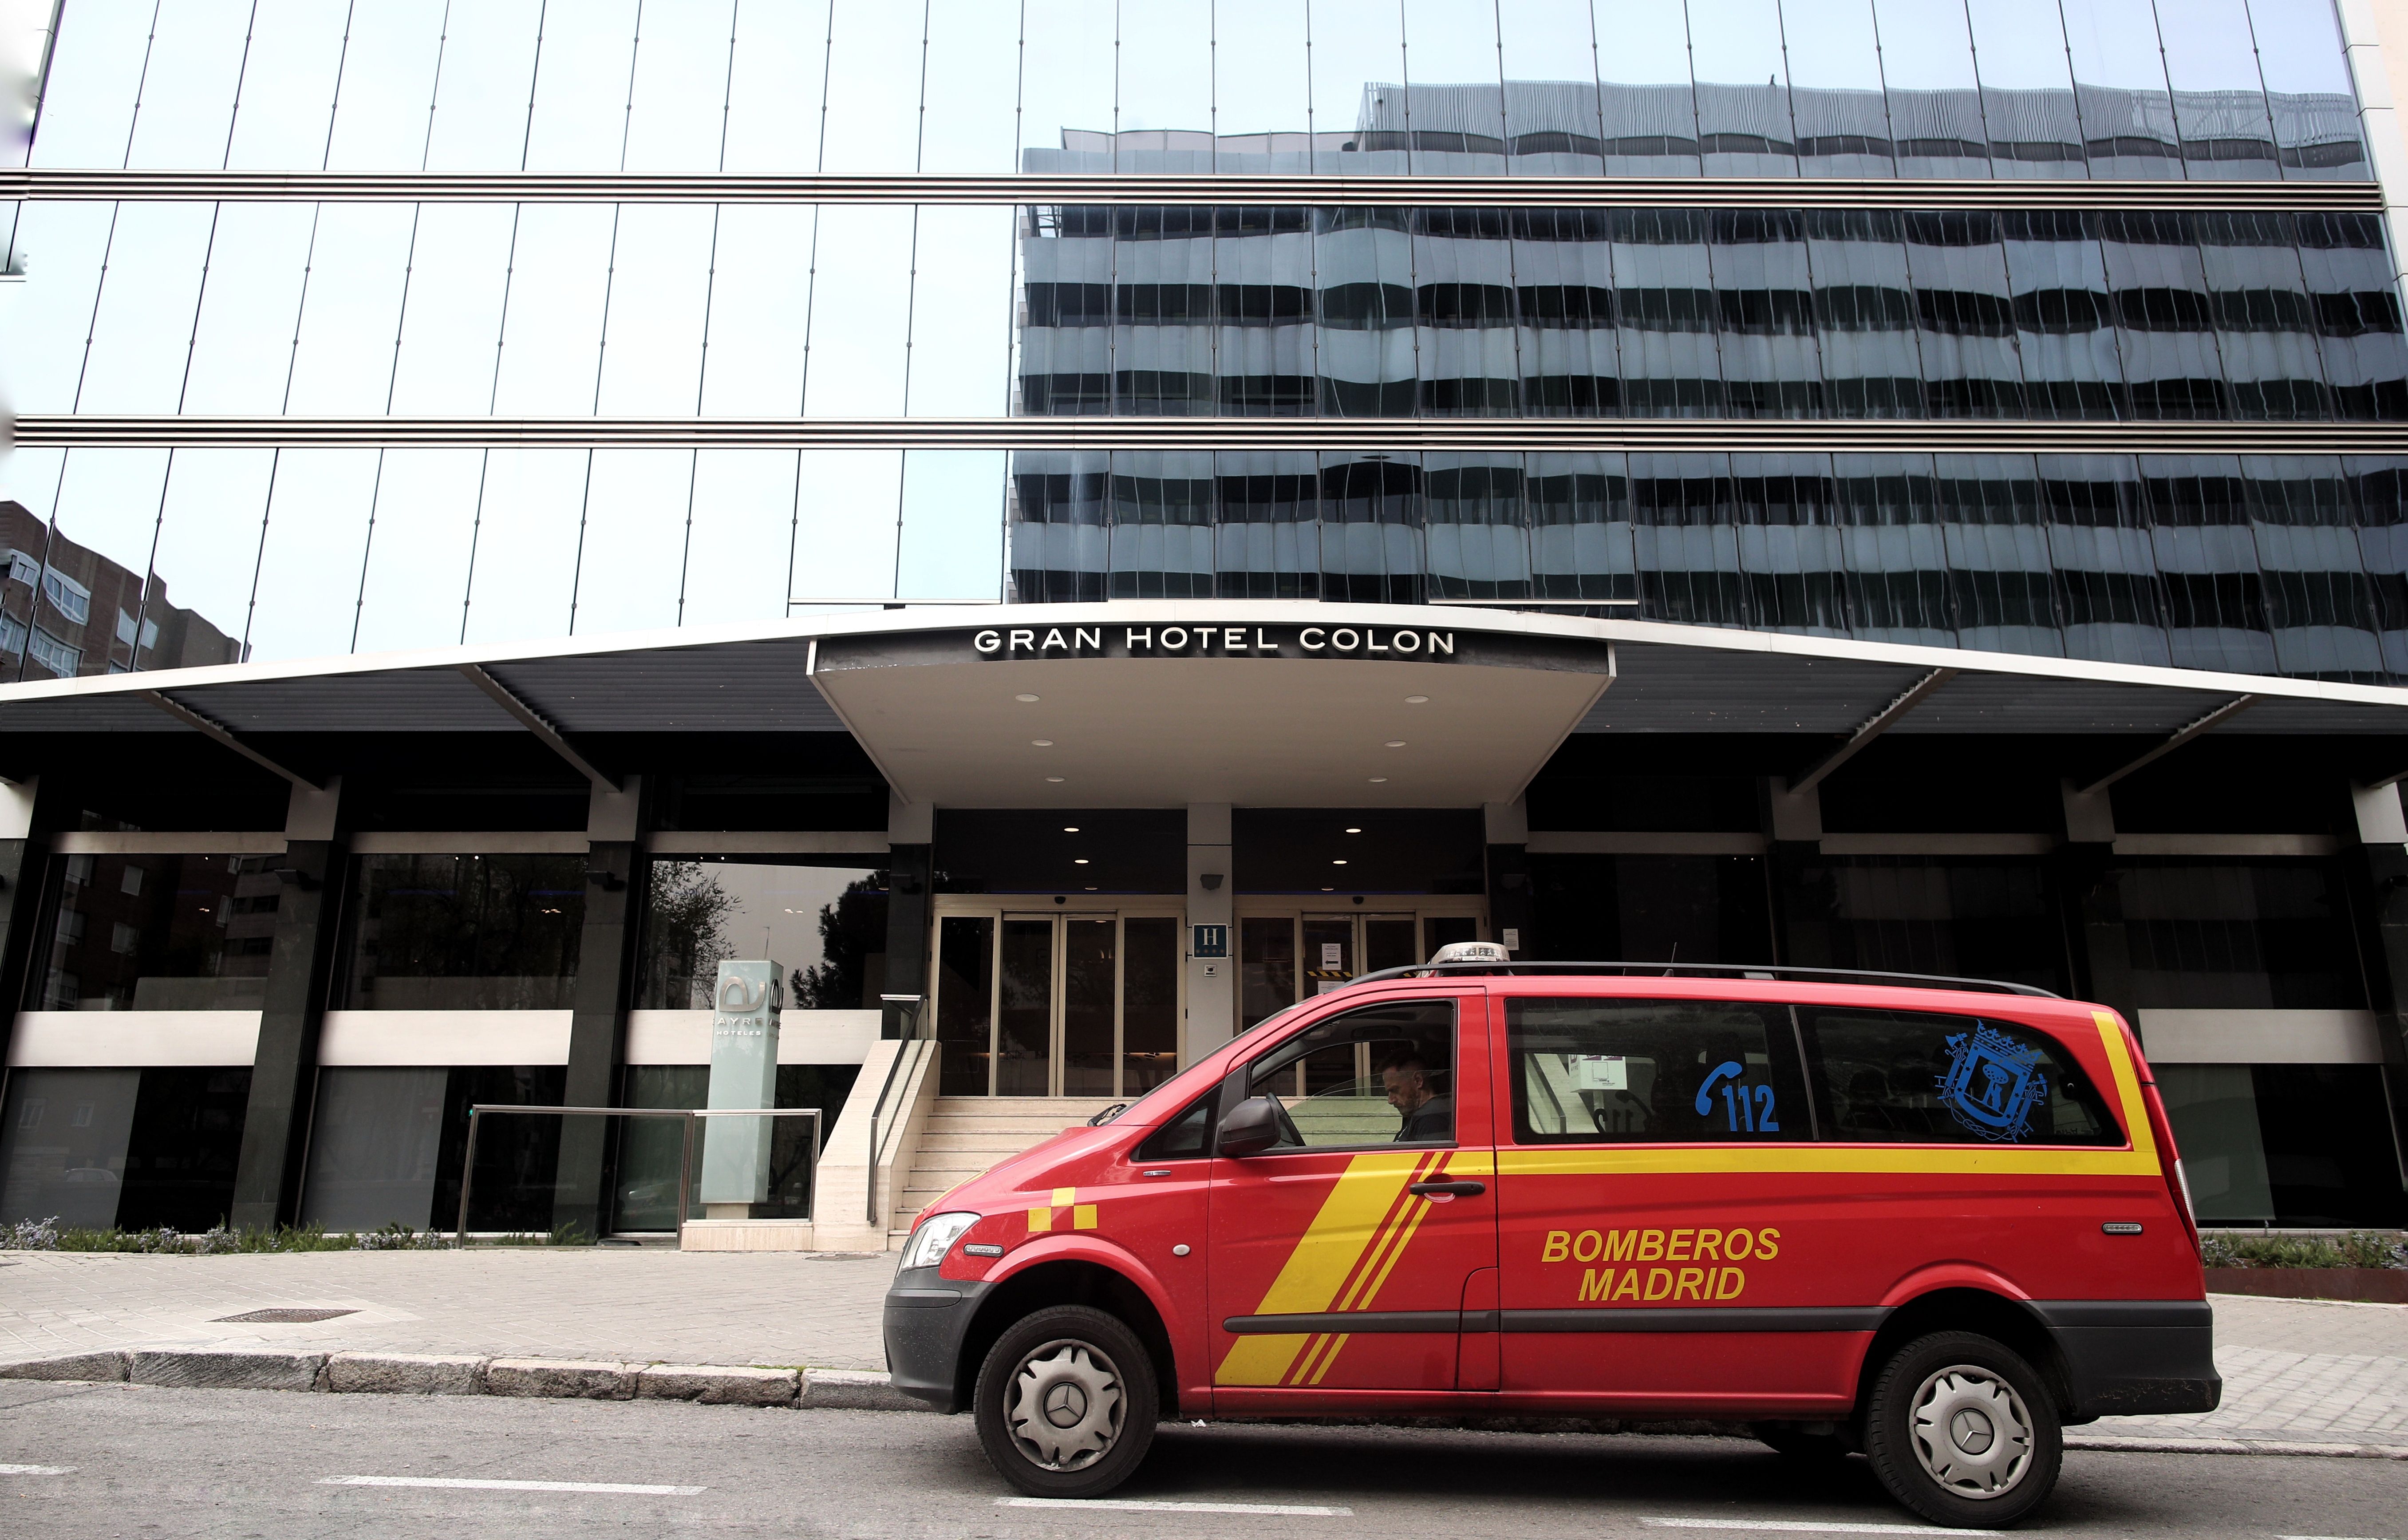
(1251, 1128)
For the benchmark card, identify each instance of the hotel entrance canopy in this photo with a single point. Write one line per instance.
(1156, 703)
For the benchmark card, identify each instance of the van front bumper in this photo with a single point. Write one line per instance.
(2131, 1358)
(926, 1318)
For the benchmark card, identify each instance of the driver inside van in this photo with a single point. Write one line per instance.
(1427, 1113)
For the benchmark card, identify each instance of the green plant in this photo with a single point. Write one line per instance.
(2372, 1248)
(571, 1233)
(2359, 1249)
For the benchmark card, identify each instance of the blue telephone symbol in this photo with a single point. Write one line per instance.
(1746, 1109)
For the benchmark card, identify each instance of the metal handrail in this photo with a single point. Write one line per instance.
(685, 1149)
(1713, 970)
(877, 1111)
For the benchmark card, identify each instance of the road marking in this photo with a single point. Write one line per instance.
(1804, 1526)
(1298, 1510)
(2324, 1538)
(36, 1470)
(457, 1483)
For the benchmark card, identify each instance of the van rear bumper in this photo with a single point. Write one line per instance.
(2127, 1357)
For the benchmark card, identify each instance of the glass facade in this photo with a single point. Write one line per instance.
(143, 558)
(159, 933)
(463, 932)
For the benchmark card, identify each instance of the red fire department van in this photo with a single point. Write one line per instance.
(1930, 1220)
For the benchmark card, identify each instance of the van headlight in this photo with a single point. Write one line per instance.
(934, 1237)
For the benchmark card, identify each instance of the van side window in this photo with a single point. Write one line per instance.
(1185, 1137)
(1653, 1072)
(1906, 1075)
(1381, 1075)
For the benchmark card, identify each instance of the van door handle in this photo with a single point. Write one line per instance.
(1448, 1189)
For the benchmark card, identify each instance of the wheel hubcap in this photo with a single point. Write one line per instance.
(1971, 1431)
(1065, 1405)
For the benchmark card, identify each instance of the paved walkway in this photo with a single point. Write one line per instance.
(2295, 1370)
(638, 1305)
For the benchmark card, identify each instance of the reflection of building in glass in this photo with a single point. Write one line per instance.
(66, 610)
(1579, 128)
(2246, 563)
(161, 933)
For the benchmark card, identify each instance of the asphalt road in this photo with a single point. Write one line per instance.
(153, 1464)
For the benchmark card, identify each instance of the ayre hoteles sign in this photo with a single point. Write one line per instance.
(1039, 641)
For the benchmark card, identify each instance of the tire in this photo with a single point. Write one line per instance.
(1066, 1402)
(1963, 1432)
(1792, 1442)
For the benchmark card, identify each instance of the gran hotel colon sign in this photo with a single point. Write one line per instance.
(1211, 640)
(1122, 640)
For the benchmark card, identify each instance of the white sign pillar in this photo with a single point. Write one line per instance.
(743, 1077)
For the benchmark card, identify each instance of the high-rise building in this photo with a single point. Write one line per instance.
(1071, 527)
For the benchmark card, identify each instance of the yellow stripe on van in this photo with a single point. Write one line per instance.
(1356, 1212)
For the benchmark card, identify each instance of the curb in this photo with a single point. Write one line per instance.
(2235, 1446)
(444, 1374)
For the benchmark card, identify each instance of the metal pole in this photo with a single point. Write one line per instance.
(468, 1175)
(685, 1177)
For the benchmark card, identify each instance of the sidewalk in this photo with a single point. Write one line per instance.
(634, 1305)
(2295, 1370)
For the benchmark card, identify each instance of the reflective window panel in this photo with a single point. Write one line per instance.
(826, 923)
(158, 933)
(463, 932)
(132, 1148)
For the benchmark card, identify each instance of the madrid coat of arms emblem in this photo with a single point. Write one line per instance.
(1993, 1083)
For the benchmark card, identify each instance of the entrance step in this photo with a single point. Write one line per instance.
(968, 1135)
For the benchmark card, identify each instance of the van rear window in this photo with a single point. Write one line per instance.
(1593, 1072)
(1906, 1076)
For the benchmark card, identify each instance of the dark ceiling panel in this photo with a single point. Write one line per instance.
(1697, 689)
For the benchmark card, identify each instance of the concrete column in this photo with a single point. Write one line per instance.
(1211, 888)
(26, 823)
(2100, 965)
(911, 875)
(1793, 825)
(1510, 911)
(615, 875)
(2381, 878)
(300, 960)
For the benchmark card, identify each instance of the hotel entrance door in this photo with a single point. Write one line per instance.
(1075, 1002)
(1286, 955)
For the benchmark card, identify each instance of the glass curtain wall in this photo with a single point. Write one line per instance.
(132, 1148)
(157, 933)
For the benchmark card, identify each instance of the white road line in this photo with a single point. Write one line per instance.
(458, 1483)
(2324, 1538)
(1804, 1526)
(1298, 1510)
(36, 1470)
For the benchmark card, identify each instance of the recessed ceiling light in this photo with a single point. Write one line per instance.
(1410, 700)
(1041, 743)
(1070, 828)
(1032, 697)
(1330, 890)
(1396, 743)
(1053, 779)
(1091, 888)
(1354, 831)
(1338, 863)
(1379, 780)
(1079, 860)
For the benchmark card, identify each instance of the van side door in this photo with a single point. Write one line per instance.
(1652, 1179)
(1341, 1256)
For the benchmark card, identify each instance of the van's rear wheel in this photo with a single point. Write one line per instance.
(1961, 1429)
(1066, 1402)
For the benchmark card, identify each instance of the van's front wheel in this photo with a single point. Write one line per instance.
(1066, 1402)
(1961, 1429)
